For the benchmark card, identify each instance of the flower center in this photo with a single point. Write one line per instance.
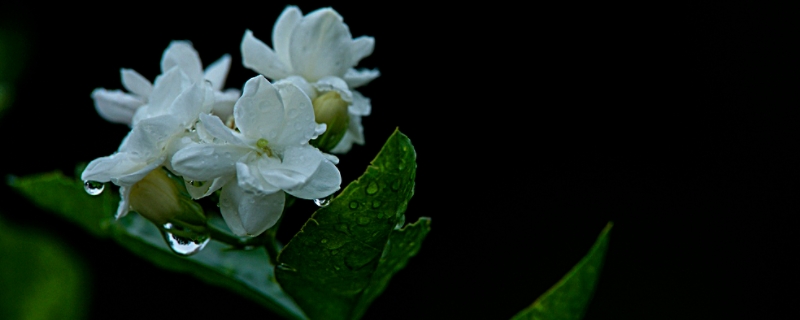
(263, 145)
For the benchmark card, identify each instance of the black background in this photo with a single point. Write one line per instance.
(533, 126)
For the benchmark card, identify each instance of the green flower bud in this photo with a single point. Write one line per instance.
(329, 108)
(161, 197)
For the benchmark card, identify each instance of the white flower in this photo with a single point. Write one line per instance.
(119, 107)
(318, 54)
(174, 106)
(268, 156)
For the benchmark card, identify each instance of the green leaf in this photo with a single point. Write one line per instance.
(247, 272)
(568, 299)
(66, 197)
(40, 278)
(341, 259)
(403, 244)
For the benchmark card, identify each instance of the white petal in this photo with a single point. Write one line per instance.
(334, 84)
(136, 83)
(320, 129)
(249, 177)
(299, 125)
(148, 136)
(124, 202)
(224, 102)
(282, 32)
(356, 129)
(356, 78)
(321, 45)
(218, 71)
(361, 105)
(354, 134)
(301, 83)
(214, 127)
(116, 106)
(250, 214)
(206, 188)
(103, 169)
(298, 164)
(257, 56)
(344, 145)
(183, 55)
(361, 47)
(333, 159)
(219, 183)
(167, 87)
(206, 162)
(259, 112)
(194, 100)
(122, 169)
(324, 182)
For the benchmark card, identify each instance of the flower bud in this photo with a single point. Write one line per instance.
(161, 197)
(329, 108)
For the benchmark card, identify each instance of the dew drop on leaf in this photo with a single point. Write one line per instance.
(372, 188)
(286, 267)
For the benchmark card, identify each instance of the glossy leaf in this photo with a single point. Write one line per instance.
(568, 299)
(65, 196)
(247, 272)
(342, 258)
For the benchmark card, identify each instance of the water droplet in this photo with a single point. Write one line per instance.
(185, 246)
(353, 204)
(322, 202)
(93, 187)
(402, 165)
(363, 220)
(324, 240)
(372, 188)
(376, 204)
(396, 185)
(196, 184)
(286, 267)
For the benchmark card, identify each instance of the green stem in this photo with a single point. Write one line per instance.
(271, 243)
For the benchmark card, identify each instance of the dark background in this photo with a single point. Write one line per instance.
(533, 126)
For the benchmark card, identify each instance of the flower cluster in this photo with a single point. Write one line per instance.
(276, 136)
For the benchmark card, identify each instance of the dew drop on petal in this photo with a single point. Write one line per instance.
(322, 202)
(196, 184)
(182, 245)
(93, 187)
